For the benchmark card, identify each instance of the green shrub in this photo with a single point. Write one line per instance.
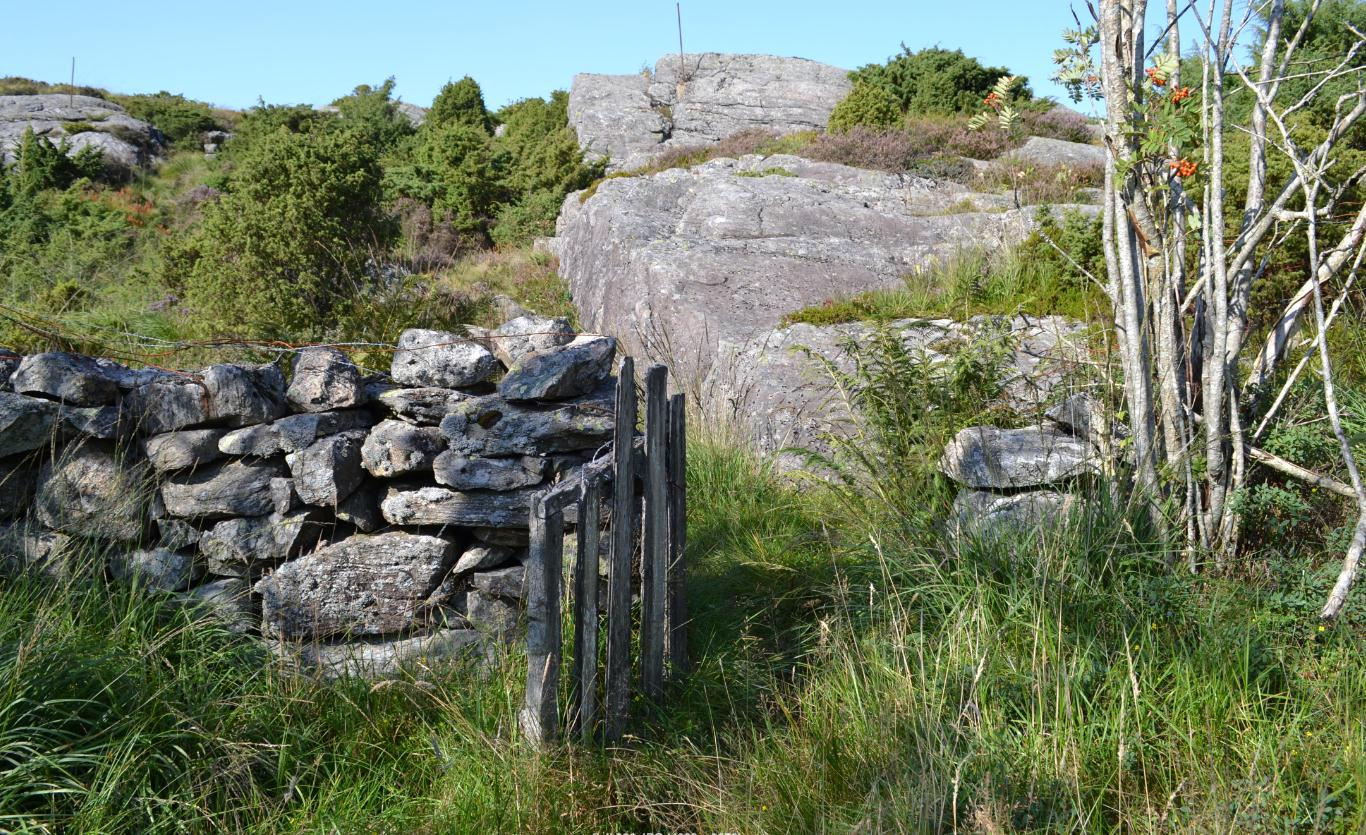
(180, 119)
(373, 112)
(869, 105)
(289, 242)
(449, 166)
(529, 218)
(460, 102)
(538, 151)
(935, 80)
(42, 165)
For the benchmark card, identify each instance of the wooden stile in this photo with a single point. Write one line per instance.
(617, 681)
(655, 556)
(675, 605)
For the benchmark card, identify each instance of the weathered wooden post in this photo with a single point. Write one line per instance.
(655, 558)
(617, 682)
(675, 606)
(585, 666)
(540, 714)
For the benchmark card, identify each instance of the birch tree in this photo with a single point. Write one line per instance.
(1184, 253)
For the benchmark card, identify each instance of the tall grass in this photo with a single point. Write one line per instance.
(856, 669)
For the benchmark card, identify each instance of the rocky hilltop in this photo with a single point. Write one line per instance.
(84, 122)
(699, 99)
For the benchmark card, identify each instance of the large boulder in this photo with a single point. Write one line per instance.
(325, 379)
(674, 263)
(241, 395)
(422, 406)
(26, 423)
(469, 472)
(491, 426)
(187, 448)
(700, 99)
(241, 547)
(71, 378)
(985, 514)
(126, 144)
(529, 334)
(561, 372)
(395, 448)
(328, 470)
(1040, 150)
(91, 491)
(988, 458)
(364, 585)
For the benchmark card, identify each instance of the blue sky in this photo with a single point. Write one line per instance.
(289, 51)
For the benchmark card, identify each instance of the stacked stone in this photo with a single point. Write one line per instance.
(368, 521)
(1017, 479)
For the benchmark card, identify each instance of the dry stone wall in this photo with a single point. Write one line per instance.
(366, 521)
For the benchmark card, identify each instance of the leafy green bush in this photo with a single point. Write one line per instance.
(179, 118)
(460, 102)
(290, 240)
(869, 105)
(42, 165)
(373, 112)
(449, 166)
(935, 80)
(538, 151)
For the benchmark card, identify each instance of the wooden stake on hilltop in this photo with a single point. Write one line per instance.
(617, 684)
(655, 559)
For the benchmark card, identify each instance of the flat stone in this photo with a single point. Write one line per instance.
(413, 505)
(1040, 150)
(361, 508)
(26, 548)
(364, 585)
(559, 373)
(329, 469)
(105, 423)
(492, 426)
(168, 403)
(71, 378)
(241, 395)
(441, 359)
(493, 616)
(504, 582)
(90, 491)
(187, 448)
(292, 433)
(985, 457)
(467, 472)
(529, 334)
(177, 534)
(418, 655)
(395, 448)
(422, 406)
(482, 558)
(325, 379)
(26, 423)
(982, 513)
(227, 601)
(156, 568)
(242, 547)
(222, 490)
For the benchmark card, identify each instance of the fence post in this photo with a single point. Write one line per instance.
(617, 682)
(675, 605)
(585, 666)
(540, 717)
(655, 559)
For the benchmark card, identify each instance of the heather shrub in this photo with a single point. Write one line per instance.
(1038, 184)
(869, 105)
(288, 243)
(1055, 123)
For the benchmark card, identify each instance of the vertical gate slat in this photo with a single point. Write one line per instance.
(655, 558)
(617, 682)
(540, 717)
(675, 605)
(585, 667)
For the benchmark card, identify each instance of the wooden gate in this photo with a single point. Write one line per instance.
(642, 482)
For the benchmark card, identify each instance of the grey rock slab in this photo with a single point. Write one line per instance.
(417, 655)
(563, 372)
(674, 263)
(483, 557)
(492, 426)
(325, 379)
(292, 433)
(104, 423)
(283, 496)
(241, 395)
(982, 513)
(395, 448)
(506, 582)
(988, 458)
(415, 505)
(177, 534)
(227, 601)
(1041, 150)
(361, 508)
(364, 585)
(27, 548)
(71, 378)
(468, 472)
(237, 547)
(26, 423)
(441, 359)
(223, 490)
(168, 403)
(329, 469)
(126, 144)
(179, 450)
(421, 406)
(91, 491)
(156, 568)
(491, 615)
(529, 334)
